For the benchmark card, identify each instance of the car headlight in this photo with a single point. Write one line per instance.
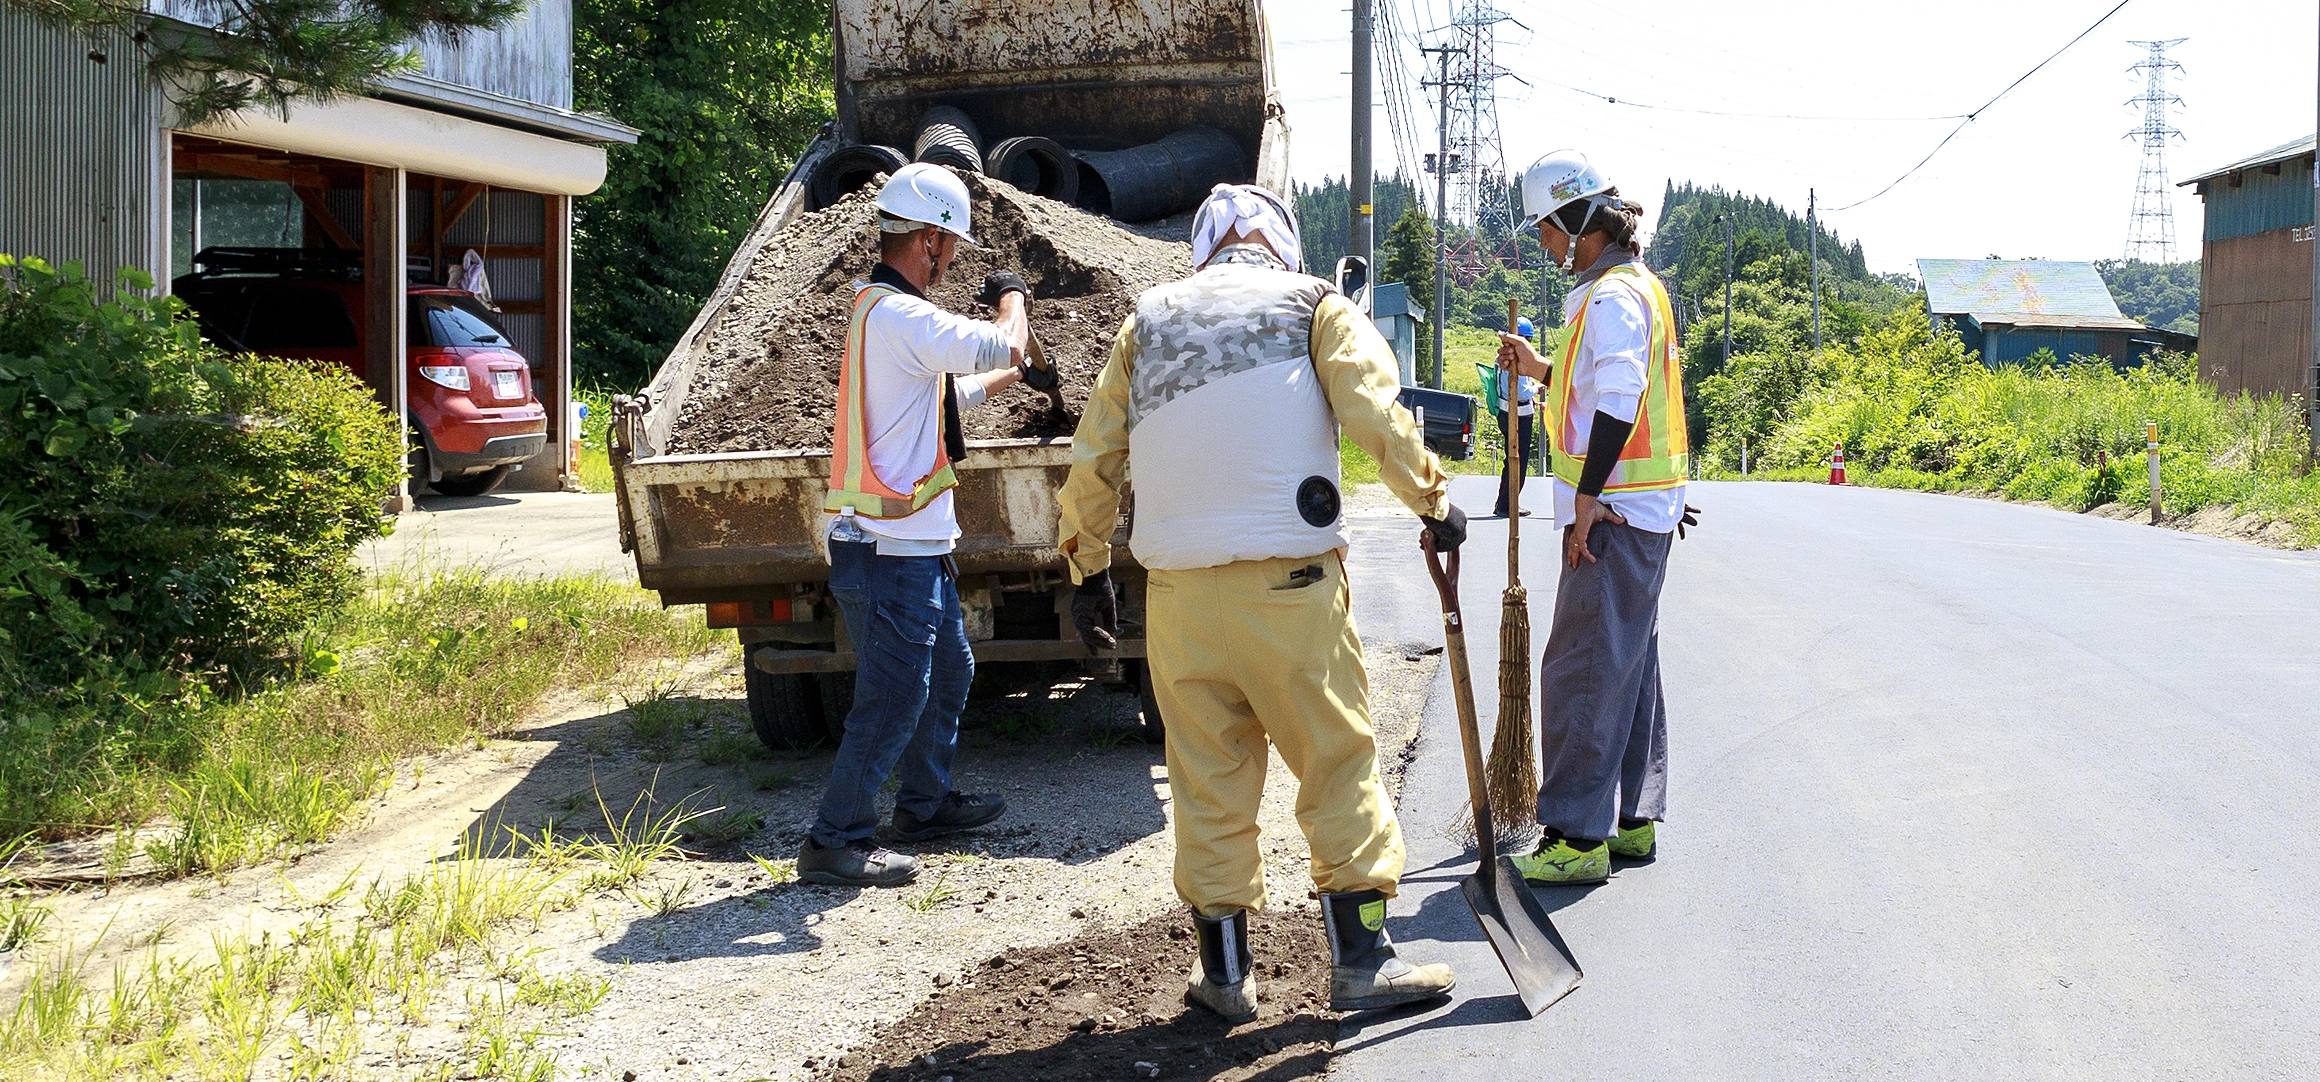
(453, 376)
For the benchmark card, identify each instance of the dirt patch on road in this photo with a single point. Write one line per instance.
(2212, 522)
(1111, 1005)
(768, 370)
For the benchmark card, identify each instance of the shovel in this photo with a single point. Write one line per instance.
(1533, 953)
(1038, 357)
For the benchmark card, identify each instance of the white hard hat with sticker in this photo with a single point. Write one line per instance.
(925, 194)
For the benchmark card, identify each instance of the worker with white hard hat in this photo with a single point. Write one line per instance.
(1226, 391)
(1619, 455)
(909, 370)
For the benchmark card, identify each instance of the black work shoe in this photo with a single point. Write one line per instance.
(860, 864)
(959, 811)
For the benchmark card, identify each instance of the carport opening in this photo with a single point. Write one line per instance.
(268, 247)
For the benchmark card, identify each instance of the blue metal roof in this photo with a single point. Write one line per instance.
(1392, 299)
(2019, 291)
(2272, 190)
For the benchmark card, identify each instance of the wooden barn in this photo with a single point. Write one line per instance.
(2008, 310)
(2255, 271)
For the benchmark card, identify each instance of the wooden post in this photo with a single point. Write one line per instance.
(556, 317)
(386, 364)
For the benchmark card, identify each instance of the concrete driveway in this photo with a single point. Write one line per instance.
(1959, 790)
(514, 533)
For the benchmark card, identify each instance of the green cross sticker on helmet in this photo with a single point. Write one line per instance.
(931, 195)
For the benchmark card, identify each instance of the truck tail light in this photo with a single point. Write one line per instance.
(759, 613)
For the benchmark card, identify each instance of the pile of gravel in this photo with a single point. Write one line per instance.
(767, 375)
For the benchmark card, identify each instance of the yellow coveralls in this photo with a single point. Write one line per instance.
(1237, 657)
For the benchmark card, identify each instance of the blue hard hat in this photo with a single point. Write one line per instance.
(1522, 326)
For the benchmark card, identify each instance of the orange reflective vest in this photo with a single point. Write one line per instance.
(1659, 453)
(853, 482)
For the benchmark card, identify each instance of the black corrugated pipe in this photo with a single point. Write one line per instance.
(1037, 165)
(947, 137)
(1158, 179)
(848, 168)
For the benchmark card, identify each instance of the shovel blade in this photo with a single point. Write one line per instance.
(1527, 943)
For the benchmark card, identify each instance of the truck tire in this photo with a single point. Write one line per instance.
(784, 708)
(836, 693)
(1155, 729)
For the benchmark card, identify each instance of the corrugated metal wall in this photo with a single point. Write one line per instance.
(529, 59)
(507, 218)
(2261, 203)
(84, 176)
(2255, 300)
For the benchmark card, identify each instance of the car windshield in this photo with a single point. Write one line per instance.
(447, 321)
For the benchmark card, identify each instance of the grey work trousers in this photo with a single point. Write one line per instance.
(1602, 721)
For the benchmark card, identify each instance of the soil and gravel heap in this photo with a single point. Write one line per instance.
(767, 376)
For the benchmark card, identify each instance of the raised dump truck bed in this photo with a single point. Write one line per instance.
(739, 532)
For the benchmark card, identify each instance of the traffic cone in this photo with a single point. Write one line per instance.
(1837, 466)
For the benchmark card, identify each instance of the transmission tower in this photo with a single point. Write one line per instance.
(2151, 229)
(1480, 194)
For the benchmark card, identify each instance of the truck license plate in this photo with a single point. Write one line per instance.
(504, 385)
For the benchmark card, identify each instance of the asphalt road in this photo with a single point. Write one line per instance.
(506, 533)
(1959, 790)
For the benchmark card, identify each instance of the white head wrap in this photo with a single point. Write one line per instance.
(1247, 208)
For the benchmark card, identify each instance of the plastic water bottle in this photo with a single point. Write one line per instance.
(846, 529)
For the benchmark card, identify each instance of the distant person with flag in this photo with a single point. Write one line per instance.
(1525, 388)
(1619, 454)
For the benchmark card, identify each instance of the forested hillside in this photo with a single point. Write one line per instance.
(2164, 295)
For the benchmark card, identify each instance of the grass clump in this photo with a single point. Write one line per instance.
(415, 664)
(1913, 409)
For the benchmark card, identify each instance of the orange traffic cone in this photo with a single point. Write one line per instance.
(1837, 466)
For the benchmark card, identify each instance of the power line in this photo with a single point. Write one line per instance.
(1614, 100)
(1972, 116)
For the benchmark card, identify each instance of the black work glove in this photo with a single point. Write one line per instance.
(1040, 379)
(1691, 518)
(1001, 283)
(1448, 532)
(1095, 611)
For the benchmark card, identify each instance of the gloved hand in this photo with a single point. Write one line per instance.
(1448, 532)
(1040, 379)
(1095, 611)
(1001, 283)
(1691, 518)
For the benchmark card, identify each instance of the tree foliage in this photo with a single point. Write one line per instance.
(2163, 295)
(728, 93)
(243, 53)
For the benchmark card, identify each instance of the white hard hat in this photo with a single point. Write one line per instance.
(1559, 179)
(924, 194)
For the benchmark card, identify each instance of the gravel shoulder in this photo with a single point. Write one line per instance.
(721, 966)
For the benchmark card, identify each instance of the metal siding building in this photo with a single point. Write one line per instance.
(84, 151)
(2008, 309)
(2255, 271)
(483, 146)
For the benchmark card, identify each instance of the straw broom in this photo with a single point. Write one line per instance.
(1514, 765)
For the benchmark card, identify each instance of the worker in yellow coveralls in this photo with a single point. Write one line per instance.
(1227, 391)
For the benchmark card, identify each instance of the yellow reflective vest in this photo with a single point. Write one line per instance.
(853, 482)
(1659, 453)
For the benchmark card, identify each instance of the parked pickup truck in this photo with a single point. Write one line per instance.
(741, 532)
(1446, 418)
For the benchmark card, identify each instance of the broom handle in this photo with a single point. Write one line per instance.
(1509, 383)
(1462, 685)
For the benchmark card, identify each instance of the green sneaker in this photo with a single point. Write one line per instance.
(1638, 842)
(1558, 862)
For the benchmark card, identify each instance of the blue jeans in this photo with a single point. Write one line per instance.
(913, 669)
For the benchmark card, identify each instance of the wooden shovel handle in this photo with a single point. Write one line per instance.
(1462, 688)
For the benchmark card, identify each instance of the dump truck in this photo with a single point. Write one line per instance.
(741, 533)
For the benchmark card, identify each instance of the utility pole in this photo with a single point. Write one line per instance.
(2312, 378)
(1442, 163)
(1812, 221)
(1363, 239)
(1727, 220)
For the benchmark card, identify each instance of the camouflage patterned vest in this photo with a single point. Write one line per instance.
(1231, 441)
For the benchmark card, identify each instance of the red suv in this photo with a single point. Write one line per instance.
(471, 409)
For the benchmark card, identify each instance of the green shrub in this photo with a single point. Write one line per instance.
(165, 510)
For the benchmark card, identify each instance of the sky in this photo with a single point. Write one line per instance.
(2047, 172)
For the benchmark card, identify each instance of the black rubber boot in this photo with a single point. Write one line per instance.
(1220, 978)
(1364, 973)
